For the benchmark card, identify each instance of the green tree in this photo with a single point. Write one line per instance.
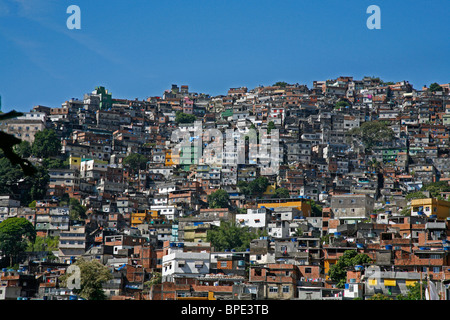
(154, 280)
(270, 127)
(380, 296)
(350, 258)
(48, 244)
(93, 276)
(413, 292)
(76, 210)
(435, 188)
(9, 175)
(135, 161)
(406, 211)
(372, 133)
(52, 163)
(23, 149)
(39, 185)
(316, 209)
(181, 117)
(14, 181)
(415, 195)
(230, 236)
(46, 144)
(14, 236)
(218, 199)
(282, 84)
(255, 187)
(435, 87)
(258, 186)
(342, 104)
(281, 193)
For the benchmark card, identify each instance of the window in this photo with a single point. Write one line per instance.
(273, 289)
(308, 270)
(285, 289)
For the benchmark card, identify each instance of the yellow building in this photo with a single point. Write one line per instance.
(301, 204)
(138, 218)
(431, 206)
(169, 161)
(74, 162)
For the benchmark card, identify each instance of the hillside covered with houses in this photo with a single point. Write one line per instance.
(336, 191)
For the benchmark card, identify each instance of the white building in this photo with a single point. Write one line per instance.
(170, 212)
(72, 243)
(278, 229)
(179, 262)
(8, 207)
(254, 218)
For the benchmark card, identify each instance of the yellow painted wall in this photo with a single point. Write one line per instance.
(440, 208)
(270, 189)
(169, 160)
(327, 263)
(140, 217)
(75, 161)
(304, 206)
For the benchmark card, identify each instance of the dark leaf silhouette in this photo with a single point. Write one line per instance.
(8, 141)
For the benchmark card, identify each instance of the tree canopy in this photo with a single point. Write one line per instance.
(435, 188)
(218, 199)
(93, 275)
(23, 149)
(350, 258)
(230, 236)
(413, 292)
(281, 193)
(435, 87)
(46, 144)
(135, 161)
(77, 211)
(255, 187)
(415, 195)
(373, 132)
(14, 236)
(280, 84)
(181, 117)
(270, 127)
(342, 104)
(14, 181)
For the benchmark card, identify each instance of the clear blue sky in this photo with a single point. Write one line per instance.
(138, 48)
